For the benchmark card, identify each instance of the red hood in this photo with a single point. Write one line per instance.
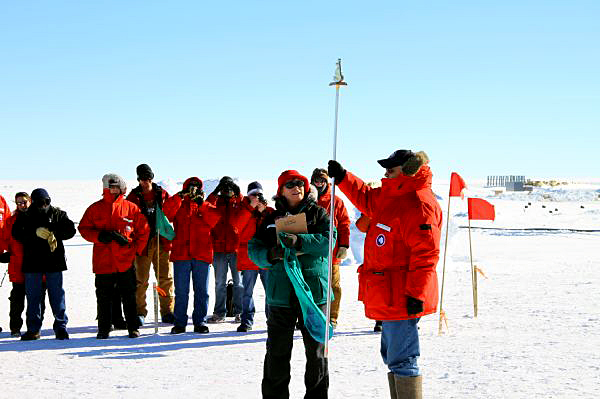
(404, 184)
(189, 180)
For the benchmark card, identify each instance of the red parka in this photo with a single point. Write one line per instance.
(340, 219)
(114, 215)
(146, 203)
(4, 215)
(193, 224)
(226, 233)
(15, 275)
(401, 246)
(246, 234)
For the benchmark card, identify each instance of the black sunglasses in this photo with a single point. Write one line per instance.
(42, 202)
(294, 183)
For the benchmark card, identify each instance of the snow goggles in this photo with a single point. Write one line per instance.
(294, 183)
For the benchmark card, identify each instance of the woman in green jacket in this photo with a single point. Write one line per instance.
(311, 249)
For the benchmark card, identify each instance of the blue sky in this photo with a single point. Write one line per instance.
(241, 88)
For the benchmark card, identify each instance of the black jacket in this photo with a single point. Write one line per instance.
(36, 251)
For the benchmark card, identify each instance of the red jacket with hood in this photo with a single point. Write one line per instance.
(340, 219)
(246, 234)
(114, 215)
(15, 275)
(193, 224)
(4, 215)
(226, 233)
(401, 246)
(160, 195)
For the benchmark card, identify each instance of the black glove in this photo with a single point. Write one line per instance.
(105, 236)
(413, 305)
(198, 197)
(261, 198)
(5, 257)
(120, 238)
(289, 240)
(182, 193)
(236, 189)
(274, 254)
(335, 170)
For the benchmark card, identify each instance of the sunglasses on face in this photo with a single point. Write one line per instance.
(320, 181)
(294, 183)
(21, 203)
(41, 203)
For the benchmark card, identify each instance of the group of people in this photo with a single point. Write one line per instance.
(237, 233)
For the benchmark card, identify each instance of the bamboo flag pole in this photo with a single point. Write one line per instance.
(473, 273)
(442, 313)
(338, 82)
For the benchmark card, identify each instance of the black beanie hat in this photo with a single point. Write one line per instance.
(226, 180)
(39, 195)
(254, 188)
(144, 172)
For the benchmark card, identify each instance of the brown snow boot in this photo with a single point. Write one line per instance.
(392, 382)
(409, 387)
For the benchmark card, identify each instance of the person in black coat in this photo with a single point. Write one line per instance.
(42, 230)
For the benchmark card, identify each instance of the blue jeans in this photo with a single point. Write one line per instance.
(222, 262)
(249, 280)
(199, 271)
(56, 296)
(400, 347)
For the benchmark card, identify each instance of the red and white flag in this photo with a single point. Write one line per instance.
(457, 185)
(480, 209)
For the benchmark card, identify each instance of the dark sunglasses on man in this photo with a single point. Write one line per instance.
(43, 202)
(294, 183)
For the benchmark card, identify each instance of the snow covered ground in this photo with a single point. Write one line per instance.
(536, 335)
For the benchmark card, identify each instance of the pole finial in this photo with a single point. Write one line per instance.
(338, 78)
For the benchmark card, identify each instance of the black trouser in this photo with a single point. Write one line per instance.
(125, 284)
(17, 305)
(280, 335)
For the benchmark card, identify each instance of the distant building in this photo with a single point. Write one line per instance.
(511, 183)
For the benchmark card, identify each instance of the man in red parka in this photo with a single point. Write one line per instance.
(14, 257)
(398, 281)
(119, 231)
(342, 224)
(192, 252)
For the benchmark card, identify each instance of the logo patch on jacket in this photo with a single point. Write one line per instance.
(380, 240)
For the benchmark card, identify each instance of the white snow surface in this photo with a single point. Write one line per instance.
(536, 335)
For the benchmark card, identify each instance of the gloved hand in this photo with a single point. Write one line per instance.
(43, 233)
(105, 236)
(289, 240)
(413, 305)
(197, 196)
(341, 253)
(275, 254)
(5, 257)
(182, 193)
(335, 170)
(52, 242)
(119, 238)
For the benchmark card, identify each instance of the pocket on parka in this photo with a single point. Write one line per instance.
(378, 292)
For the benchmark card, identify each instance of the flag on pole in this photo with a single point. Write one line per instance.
(457, 184)
(480, 209)
(163, 227)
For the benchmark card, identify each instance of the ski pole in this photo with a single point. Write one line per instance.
(338, 81)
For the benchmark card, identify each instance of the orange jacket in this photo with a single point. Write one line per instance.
(362, 223)
(15, 275)
(340, 219)
(193, 224)
(114, 215)
(225, 234)
(401, 245)
(246, 234)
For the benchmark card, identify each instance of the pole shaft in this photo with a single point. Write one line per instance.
(444, 269)
(473, 283)
(331, 225)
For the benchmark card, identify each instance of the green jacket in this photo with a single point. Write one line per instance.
(313, 262)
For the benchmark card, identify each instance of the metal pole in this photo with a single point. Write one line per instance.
(156, 276)
(339, 82)
(473, 274)
(444, 270)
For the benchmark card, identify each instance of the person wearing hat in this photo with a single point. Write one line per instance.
(119, 231)
(311, 250)
(14, 257)
(225, 236)
(398, 282)
(41, 230)
(149, 196)
(250, 271)
(341, 221)
(192, 252)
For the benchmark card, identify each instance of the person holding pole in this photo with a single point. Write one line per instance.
(119, 231)
(148, 196)
(308, 254)
(398, 280)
